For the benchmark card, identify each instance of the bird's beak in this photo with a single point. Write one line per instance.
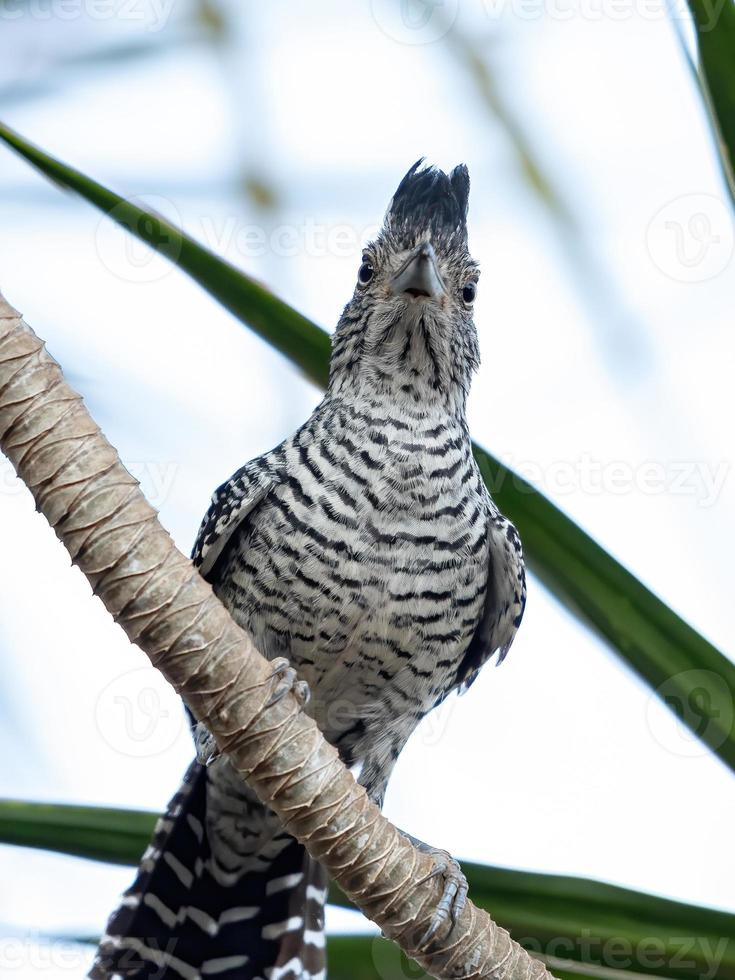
(419, 275)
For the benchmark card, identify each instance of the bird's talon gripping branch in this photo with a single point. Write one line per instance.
(454, 896)
(287, 681)
(204, 745)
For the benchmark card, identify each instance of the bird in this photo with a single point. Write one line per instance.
(370, 564)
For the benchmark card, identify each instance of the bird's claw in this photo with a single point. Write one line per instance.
(287, 680)
(205, 745)
(454, 896)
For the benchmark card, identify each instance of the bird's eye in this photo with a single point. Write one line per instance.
(366, 272)
(469, 291)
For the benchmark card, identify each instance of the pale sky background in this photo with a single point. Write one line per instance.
(607, 344)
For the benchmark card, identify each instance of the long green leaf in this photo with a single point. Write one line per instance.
(560, 917)
(689, 673)
(715, 26)
(116, 836)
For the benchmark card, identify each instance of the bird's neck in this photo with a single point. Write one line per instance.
(404, 369)
(400, 393)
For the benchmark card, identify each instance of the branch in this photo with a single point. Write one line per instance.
(162, 603)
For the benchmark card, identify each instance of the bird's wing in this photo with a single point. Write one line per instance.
(231, 504)
(505, 600)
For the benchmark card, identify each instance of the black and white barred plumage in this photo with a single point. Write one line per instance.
(366, 550)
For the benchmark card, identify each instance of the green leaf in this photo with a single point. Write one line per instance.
(714, 21)
(98, 833)
(554, 916)
(692, 677)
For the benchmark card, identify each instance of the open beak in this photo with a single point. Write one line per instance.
(419, 275)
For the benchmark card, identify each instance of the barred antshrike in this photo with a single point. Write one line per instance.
(366, 557)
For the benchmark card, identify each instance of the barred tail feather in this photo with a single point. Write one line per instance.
(190, 915)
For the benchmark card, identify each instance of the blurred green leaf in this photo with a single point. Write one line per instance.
(691, 676)
(99, 833)
(715, 26)
(554, 916)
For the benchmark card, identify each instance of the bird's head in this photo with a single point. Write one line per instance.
(408, 329)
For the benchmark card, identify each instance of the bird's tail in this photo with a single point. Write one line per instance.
(218, 895)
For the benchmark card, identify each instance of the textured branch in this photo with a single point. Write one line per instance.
(164, 606)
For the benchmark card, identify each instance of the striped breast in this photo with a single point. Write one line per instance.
(366, 564)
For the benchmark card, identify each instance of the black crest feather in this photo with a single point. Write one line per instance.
(429, 198)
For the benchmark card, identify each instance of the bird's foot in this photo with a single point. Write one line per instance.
(205, 745)
(286, 681)
(454, 896)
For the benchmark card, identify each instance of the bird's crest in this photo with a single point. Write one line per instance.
(427, 198)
